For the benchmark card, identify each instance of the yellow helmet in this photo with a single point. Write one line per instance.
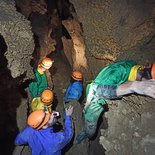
(47, 97)
(46, 63)
(38, 119)
(77, 75)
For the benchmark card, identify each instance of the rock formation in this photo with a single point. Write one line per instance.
(18, 37)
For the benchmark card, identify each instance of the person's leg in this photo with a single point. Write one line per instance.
(88, 132)
(91, 116)
(90, 127)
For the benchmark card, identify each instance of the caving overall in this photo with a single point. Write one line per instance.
(45, 141)
(103, 87)
(39, 84)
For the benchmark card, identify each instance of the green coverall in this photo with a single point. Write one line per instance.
(39, 84)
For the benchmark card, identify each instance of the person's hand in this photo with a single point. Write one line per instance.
(69, 110)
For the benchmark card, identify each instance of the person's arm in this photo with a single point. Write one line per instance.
(146, 87)
(23, 136)
(34, 85)
(68, 132)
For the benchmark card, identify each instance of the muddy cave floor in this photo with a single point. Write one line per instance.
(60, 72)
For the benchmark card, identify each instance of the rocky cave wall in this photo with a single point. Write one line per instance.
(17, 45)
(18, 36)
(112, 28)
(57, 29)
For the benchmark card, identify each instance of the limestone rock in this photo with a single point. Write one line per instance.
(17, 34)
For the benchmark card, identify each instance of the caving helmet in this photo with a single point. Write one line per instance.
(38, 119)
(77, 75)
(46, 63)
(47, 97)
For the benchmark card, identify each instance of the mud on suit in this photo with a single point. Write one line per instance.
(103, 87)
(45, 141)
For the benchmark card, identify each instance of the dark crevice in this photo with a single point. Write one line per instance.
(9, 101)
(65, 33)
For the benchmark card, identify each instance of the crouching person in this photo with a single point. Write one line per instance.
(44, 101)
(72, 96)
(39, 133)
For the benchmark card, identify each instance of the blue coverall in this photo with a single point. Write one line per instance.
(45, 141)
(72, 95)
(74, 91)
